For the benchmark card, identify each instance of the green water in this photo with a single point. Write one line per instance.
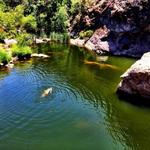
(83, 111)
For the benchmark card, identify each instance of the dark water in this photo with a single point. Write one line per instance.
(83, 111)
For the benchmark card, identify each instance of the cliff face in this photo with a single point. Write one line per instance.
(121, 27)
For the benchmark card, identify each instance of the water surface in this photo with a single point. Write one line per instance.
(83, 111)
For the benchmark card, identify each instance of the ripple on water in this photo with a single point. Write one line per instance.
(26, 107)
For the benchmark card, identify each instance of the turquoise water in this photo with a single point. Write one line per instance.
(83, 111)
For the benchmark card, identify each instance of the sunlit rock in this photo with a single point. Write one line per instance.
(10, 41)
(136, 80)
(39, 55)
(96, 42)
(77, 42)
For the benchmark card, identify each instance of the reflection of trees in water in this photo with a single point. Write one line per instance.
(4, 72)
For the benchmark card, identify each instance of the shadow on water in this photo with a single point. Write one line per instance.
(134, 99)
(82, 113)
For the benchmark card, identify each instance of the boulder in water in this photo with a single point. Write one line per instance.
(136, 80)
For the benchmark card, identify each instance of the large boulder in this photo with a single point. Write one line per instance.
(136, 80)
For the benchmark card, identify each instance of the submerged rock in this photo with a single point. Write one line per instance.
(136, 80)
(101, 65)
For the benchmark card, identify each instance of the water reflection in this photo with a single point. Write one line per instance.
(82, 113)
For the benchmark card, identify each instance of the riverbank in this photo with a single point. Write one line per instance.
(11, 52)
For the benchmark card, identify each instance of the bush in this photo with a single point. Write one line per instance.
(21, 51)
(86, 34)
(2, 36)
(60, 20)
(29, 22)
(5, 57)
(59, 37)
(24, 39)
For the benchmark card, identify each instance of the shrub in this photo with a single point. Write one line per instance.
(21, 51)
(24, 39)
(60, 20)
(2, 36)
(86, 34)
(29, 22)
(5, 57)
(59, 37)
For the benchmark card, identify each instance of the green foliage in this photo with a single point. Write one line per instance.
(28, 22)
(59, 37)
(24, 39)
(2, 35)
(86, 34)
(60, 20)
(21, 51)
(40, 17)
(2, 5)
(76, 7)
(5, 57)
(13, 22)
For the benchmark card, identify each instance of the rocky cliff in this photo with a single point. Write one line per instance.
(121, 27)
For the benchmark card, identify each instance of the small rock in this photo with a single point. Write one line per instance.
(10, 41)
(10, 66)
(39, 55)
(39, 41)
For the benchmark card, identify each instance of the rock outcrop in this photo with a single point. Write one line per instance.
(124, 24)
(136, 80)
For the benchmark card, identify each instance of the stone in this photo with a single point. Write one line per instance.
(77, 42)
(136, 80)
(10, 41)
(10, 65)
(96, 44)
(39, 55)
(39, 41)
